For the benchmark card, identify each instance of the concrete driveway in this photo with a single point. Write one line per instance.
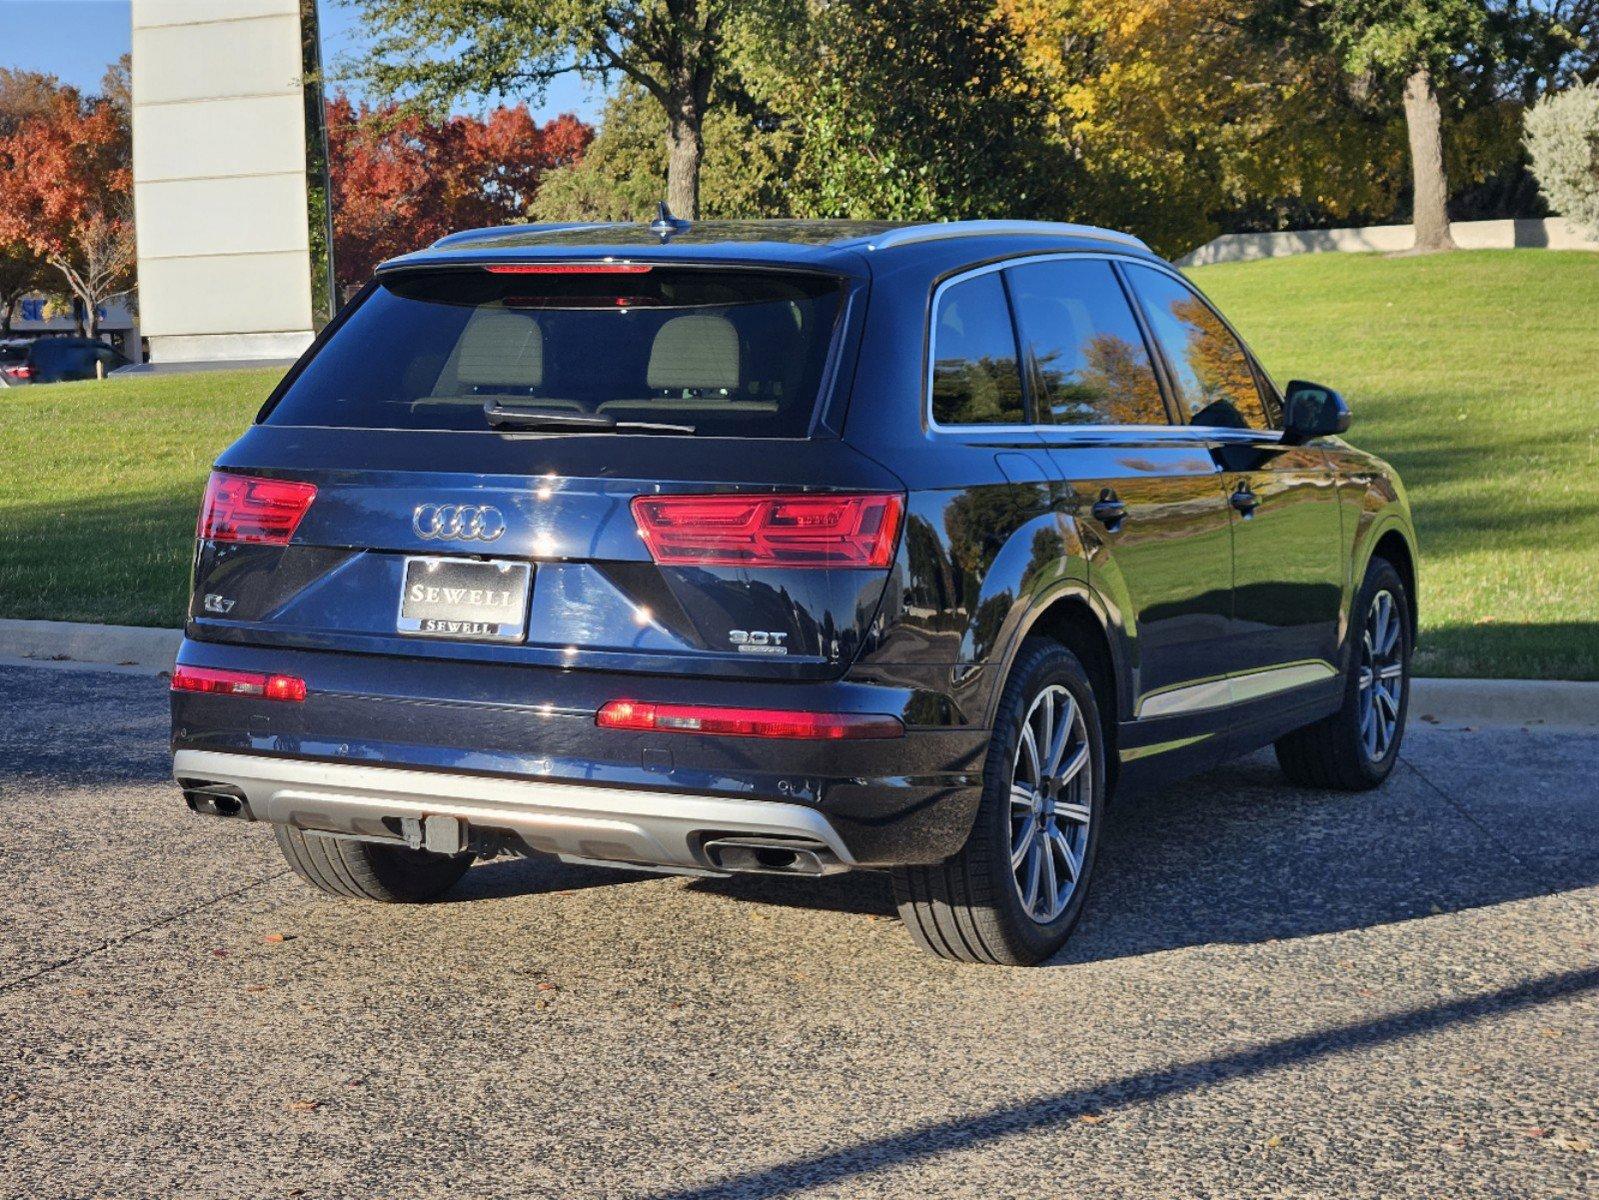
(1274, 992)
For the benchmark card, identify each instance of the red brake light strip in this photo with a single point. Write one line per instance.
(289, 688)
(746, 722)
(568, 268)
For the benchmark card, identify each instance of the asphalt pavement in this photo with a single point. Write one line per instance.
(1275, 992)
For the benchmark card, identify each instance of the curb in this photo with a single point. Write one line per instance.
(70, 641)
(1490, 701)
(1506, 701)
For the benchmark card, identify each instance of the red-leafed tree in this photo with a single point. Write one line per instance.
(68, 195)
(401, 180)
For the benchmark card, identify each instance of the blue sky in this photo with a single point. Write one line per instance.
(75, 39)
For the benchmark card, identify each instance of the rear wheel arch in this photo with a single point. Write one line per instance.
(1076, 621)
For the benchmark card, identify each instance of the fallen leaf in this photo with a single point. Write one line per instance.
(1090, 1119)
(1579, 1145)
(219, 952)
(548, 987)
(275, 937)
(255, 987)
(304, 1105)
(1535, 1131)
(1274, 1141)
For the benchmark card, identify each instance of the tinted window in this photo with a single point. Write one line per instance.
(1093, 367)
(1215, 383)
(731, 353)
(976, 377)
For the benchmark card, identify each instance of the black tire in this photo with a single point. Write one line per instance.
(368, 870)
(969, 907)
(1334, 753)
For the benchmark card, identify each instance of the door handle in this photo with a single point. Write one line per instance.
(1244, 500)
(1109, 511)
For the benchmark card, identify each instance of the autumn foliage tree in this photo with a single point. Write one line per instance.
(69, 195)
(400, 179)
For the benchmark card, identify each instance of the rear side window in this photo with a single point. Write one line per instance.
(1215, 383)
(1091, 363)
(725, 353)
(977, 377)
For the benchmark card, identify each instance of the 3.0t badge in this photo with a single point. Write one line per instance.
(457, 522)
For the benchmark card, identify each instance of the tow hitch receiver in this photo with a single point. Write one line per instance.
(437, 835)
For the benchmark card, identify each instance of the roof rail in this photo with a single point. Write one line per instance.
(495, 232)
(938, 230)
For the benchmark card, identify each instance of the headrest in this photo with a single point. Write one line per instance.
(500, 349)
(698, 351)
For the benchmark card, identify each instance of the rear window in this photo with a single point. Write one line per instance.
(728, 353)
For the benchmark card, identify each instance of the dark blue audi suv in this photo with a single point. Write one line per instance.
(786, 547)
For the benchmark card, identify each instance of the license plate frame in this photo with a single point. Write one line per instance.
(430, 616)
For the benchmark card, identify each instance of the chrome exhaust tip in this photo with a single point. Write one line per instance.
(769, 856)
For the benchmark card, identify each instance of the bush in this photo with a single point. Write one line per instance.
(1563, 139)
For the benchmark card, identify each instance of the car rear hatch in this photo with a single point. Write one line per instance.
(607, 465)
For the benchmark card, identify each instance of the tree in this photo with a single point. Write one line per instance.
(21, 272)
(400, 180)
(908, 110)
(1563, 140)
(747, 170)
(433, 52)
(69, 196)
(1403, 46)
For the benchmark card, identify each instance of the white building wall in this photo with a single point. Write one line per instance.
(219, 180)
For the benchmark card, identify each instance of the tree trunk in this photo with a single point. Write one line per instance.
(686, 144)
(1425, 127)
(91, 316)
(6, 315)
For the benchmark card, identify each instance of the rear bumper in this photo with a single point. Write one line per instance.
(399, 730)
(654, 829)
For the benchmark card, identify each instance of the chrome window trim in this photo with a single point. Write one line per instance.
(1176, 431)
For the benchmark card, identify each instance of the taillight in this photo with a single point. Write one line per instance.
(745, 722)
(811, 530)
(247, 508)
(22, 372)
(238, 683)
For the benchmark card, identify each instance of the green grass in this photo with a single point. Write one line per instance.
(1476, 374)
(100, 483)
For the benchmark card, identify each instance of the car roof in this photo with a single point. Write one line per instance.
(846, 246)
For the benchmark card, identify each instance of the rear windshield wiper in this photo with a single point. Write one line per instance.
(510, 417)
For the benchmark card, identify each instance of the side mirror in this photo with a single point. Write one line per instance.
(1313, 411)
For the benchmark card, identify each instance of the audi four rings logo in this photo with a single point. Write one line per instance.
(457, 522)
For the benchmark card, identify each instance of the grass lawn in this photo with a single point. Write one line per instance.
(100, 483)
(1476, 374)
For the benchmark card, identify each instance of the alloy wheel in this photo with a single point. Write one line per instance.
(1050, 794)
(1382, 676)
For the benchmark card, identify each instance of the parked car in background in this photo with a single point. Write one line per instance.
(14, 367)
(59, 359)
(782, 547)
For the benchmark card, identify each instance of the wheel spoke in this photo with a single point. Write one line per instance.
(1034, 869)
(1021, 797)
(1075, 767)
(1051, 887)
(1028, 751)
(1022, 842)
(1077, 814)
(1065, 723)
(1074, 864)
(1046, 731)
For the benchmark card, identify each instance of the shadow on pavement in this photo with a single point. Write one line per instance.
(929, 1140)
(1239, 856)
